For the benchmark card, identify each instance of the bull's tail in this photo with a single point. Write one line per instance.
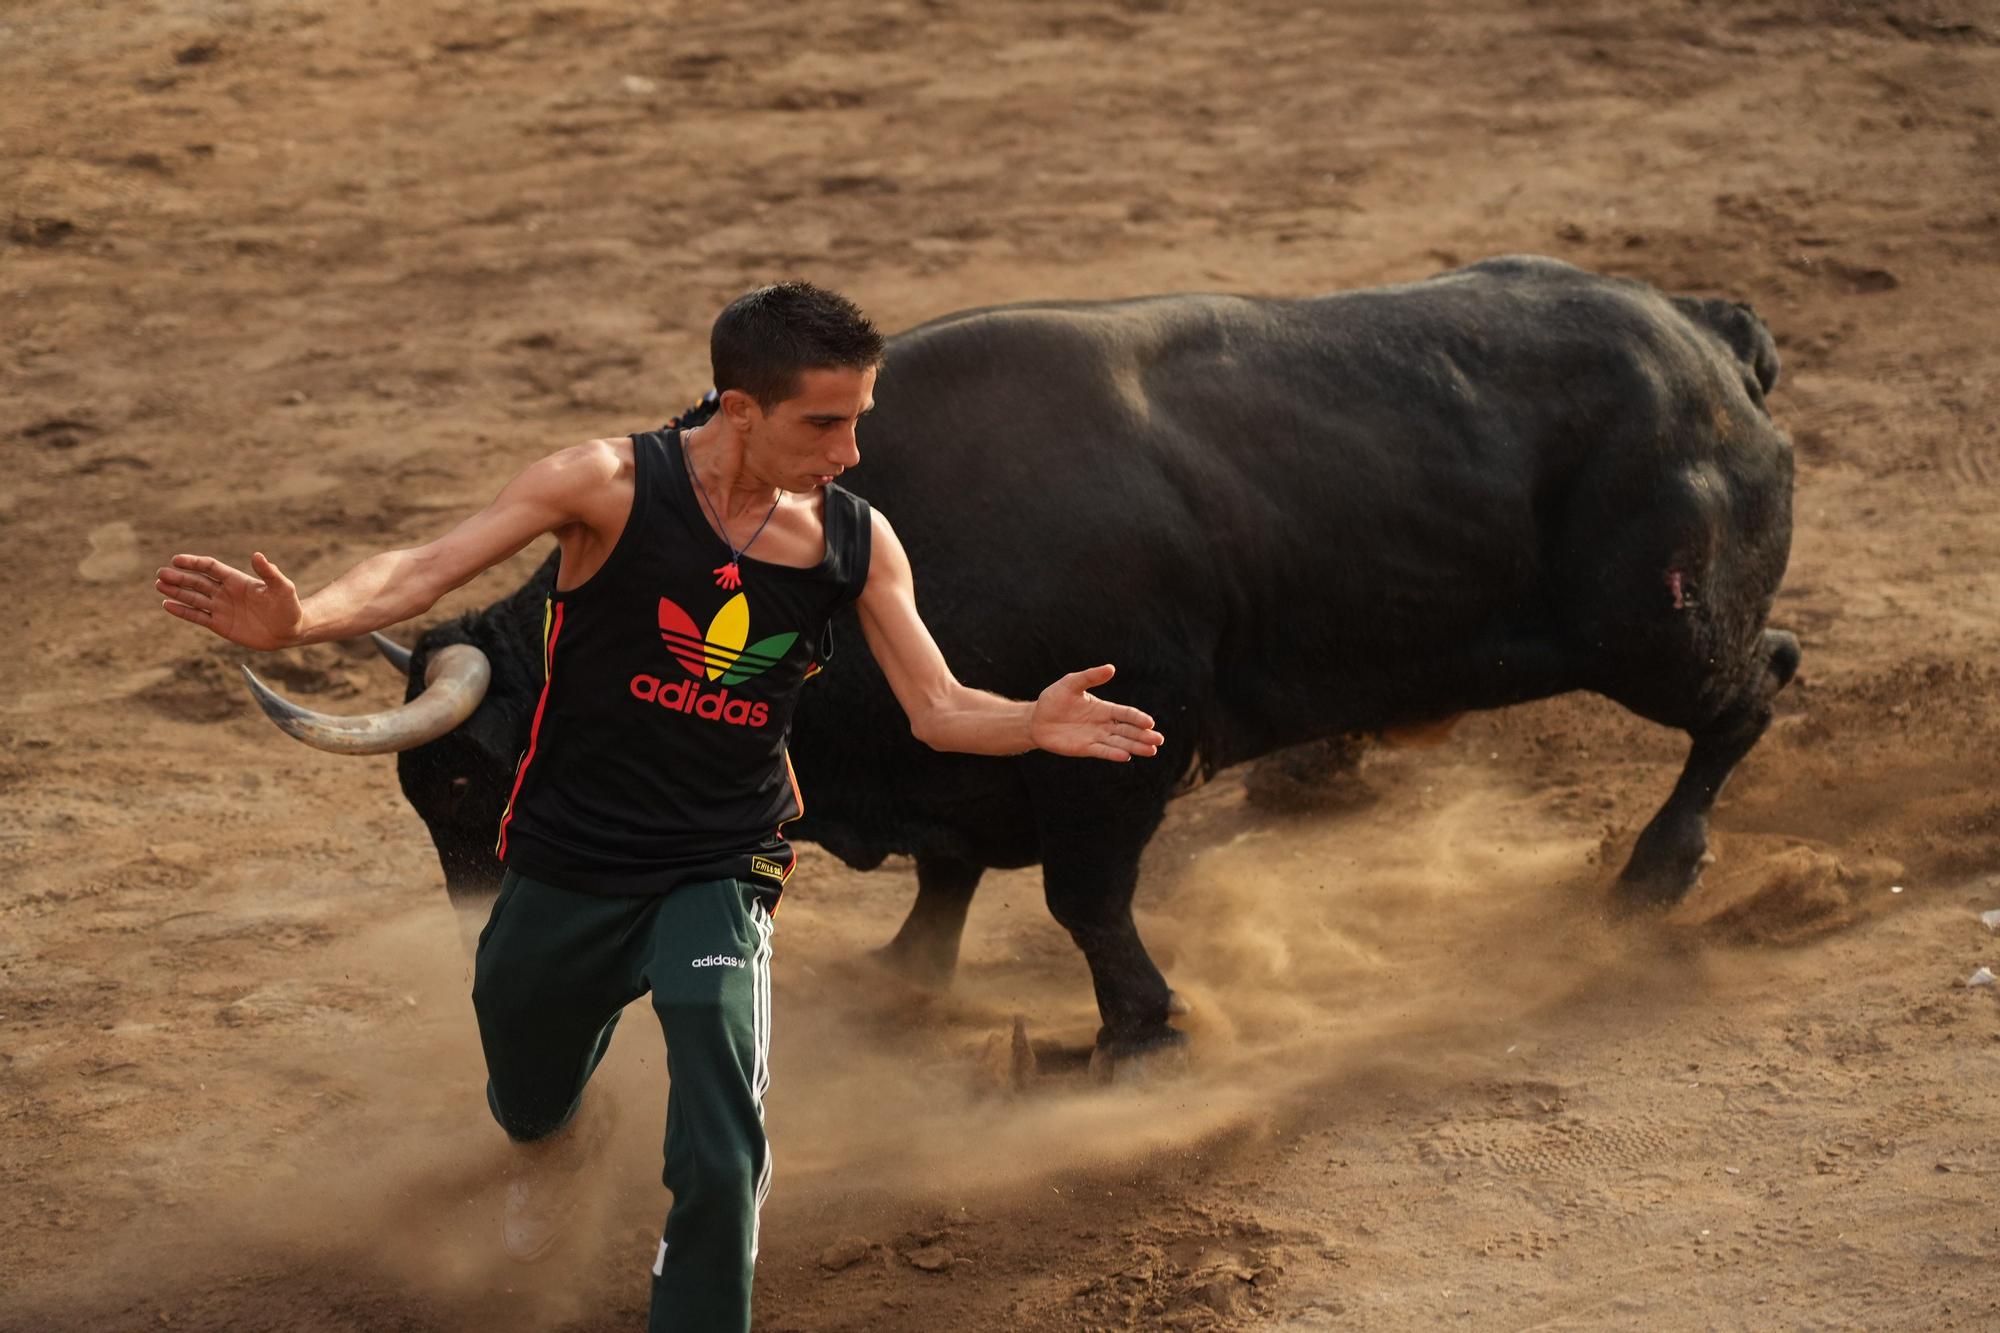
(1740, 330)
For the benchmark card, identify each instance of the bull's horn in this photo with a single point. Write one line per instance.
(398, 655)
(455, 680)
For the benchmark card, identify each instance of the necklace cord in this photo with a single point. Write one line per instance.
(735, 552)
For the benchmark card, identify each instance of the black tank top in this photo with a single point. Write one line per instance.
(657, 753)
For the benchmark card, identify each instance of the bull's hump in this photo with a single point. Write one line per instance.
(1085, 320)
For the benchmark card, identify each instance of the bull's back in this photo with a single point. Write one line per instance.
(1349, 406)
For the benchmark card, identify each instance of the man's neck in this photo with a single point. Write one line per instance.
(716, 453)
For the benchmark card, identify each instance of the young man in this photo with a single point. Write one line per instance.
(641, 841)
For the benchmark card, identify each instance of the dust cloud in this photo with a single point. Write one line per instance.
(1407, 934)
(1402, 941)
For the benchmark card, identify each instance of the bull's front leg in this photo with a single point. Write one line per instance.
(1089, 891)
(1093, 821)
(1667, 859)
(925, 950)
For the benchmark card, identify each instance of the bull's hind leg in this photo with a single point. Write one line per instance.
(925, 950)
(1667, 859)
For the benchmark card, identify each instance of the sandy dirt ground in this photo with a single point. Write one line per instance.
(313, 278)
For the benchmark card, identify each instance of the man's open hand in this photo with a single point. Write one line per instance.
(258, 612)
(1069, 719)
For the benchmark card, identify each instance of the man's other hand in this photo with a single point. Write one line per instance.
(260, 611)
(1069, 719)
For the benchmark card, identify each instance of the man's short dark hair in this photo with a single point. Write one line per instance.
(765, 340)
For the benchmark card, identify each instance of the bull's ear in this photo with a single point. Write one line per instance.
(1758, 348)
(1737, 325)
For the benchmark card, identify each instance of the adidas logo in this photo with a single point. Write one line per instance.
(686, 696)
(717, 656)
(717, 960)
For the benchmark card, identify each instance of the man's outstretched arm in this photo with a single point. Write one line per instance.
(948, 715)
(262, 609)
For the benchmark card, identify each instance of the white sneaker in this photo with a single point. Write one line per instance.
(548, 1181)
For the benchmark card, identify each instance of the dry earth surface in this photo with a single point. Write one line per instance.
(313, 278)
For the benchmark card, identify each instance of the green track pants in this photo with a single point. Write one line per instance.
(553, 970)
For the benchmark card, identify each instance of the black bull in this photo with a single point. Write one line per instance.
(1283, 520)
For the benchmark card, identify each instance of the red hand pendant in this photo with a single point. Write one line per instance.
(728, 576)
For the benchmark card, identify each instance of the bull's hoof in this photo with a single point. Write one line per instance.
(1665, 865)
(1162, 1053)
(1654, 893)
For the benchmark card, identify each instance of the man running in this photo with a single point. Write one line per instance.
(701, 568)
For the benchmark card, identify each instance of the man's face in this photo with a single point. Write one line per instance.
(808, 440)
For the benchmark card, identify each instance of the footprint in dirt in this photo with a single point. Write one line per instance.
(1204, 1273)
(114, 554)
(196, 689)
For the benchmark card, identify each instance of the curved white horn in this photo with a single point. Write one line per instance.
(398, 655)
(455, 680)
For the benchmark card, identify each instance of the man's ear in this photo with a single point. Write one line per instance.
(741, 409)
